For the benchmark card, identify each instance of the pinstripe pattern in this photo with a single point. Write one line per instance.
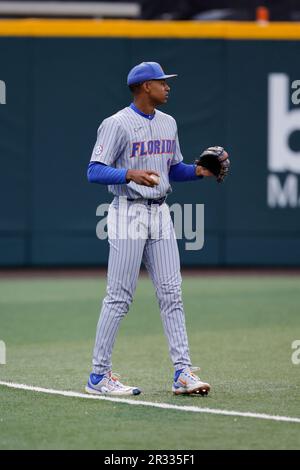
(115, 138)
(129, 140)
(161, 258)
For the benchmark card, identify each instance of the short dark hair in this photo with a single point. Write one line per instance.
(135, 86)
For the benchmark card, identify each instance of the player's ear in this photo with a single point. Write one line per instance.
(147, 86)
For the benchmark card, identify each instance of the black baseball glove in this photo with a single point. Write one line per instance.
(215, 159)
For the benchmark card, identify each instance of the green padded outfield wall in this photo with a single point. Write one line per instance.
(236, 92)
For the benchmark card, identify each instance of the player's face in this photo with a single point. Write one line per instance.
(158, 91)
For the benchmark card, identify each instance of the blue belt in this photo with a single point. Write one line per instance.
(150, 201)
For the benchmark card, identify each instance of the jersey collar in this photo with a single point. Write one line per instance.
(147, 116)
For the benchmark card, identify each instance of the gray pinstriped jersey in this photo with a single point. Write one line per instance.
(130, 140)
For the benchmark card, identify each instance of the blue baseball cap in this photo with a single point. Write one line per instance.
(147, 71)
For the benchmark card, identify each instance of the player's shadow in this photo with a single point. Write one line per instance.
(164, 395)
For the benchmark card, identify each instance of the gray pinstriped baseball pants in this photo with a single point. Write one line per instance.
(155, 246)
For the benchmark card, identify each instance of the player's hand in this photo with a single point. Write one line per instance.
(142, 177)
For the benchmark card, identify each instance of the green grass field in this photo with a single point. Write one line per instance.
(240, 331)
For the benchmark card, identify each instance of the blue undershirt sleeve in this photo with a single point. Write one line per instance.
(103, 174)
(183, 172)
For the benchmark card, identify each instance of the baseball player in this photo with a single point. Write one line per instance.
(137, 154)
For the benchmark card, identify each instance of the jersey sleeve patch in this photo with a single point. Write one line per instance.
(110, 142)
(98, 150)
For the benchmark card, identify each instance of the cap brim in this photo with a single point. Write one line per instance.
(164, 77)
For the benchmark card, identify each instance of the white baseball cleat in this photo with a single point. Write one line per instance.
(186, 382)
(108, 384)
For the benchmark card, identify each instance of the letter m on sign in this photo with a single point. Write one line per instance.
(2, 353)
(2, 92)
